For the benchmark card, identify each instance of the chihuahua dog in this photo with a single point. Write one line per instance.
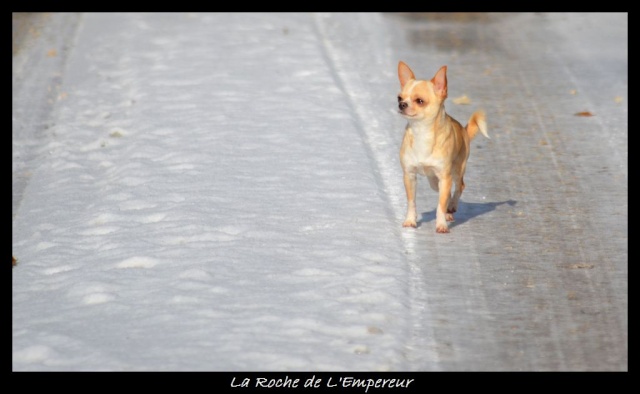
(434, 144)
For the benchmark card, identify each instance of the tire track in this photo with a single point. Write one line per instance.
(369, 78)
(550, 181)
(43, 41)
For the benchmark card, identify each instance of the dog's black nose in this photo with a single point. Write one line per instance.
(402, 105)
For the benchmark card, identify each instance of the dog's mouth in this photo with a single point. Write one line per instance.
(406, 115)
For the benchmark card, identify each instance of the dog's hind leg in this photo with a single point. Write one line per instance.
(433, 182)
(453, 203)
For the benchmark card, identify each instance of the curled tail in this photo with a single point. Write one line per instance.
(477, 122)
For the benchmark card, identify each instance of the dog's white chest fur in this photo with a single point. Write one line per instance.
(419, 157)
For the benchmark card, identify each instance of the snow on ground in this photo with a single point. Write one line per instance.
(205, 202)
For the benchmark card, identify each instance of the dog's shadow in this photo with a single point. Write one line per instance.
(466, 211)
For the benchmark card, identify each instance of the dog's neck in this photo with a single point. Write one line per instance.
(429, 125)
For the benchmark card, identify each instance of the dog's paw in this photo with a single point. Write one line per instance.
(449, 217)
(409, 223)
(442, 229)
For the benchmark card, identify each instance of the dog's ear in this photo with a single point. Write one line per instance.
(404, 73)
(440, 82)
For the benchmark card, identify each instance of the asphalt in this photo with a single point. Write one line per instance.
(534, 275)
(545, 287)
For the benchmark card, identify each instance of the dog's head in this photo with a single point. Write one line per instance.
(421, 99)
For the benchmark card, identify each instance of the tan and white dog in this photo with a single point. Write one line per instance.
(434, 144)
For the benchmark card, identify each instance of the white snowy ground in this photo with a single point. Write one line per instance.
(204, 201)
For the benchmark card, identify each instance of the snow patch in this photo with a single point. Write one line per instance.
(45, 245)
(196, 274)
(97, 298)
(103, 230)
(138, 262)
(33, 354)
(57, 270)
(153, 218)
(136, 205)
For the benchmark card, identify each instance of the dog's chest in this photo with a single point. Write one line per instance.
(419, 155)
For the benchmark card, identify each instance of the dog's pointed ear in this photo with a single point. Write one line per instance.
(404, 73)
(440, 82)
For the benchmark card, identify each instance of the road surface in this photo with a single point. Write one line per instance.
(534, 274)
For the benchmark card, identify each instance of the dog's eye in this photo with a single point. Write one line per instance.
(399, 98)
(419, 101)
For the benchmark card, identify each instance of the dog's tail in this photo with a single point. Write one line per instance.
(477, 122)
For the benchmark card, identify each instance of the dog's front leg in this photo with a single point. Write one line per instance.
(410, 187)
(443, 202)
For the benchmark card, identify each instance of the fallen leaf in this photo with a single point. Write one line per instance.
(117, 133)
(530, 284)
(13, 261)
(573, 91)
(618, 99)
(581, 265)
(52, 53)
(583, 113)
(374, 330)
(462, 100)
(543, 142)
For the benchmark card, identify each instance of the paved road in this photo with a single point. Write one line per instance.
(534, 275)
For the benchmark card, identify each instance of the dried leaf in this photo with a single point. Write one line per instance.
(462, 100)
(581, 266)
(52, 53)
(583, 113)
(117, 133)
(374, 330)
(618, 99)
(573, 91)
